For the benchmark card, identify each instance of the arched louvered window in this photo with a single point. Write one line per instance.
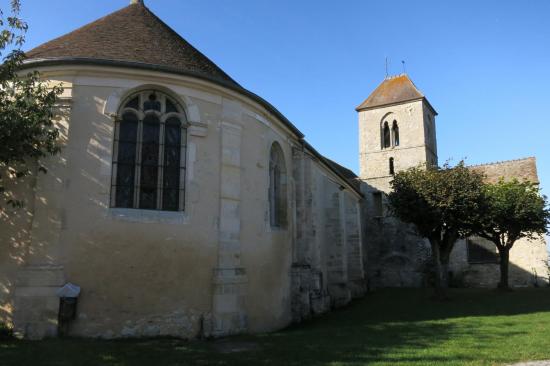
(149, 153)
(386, 136)
(395, 133)
(277, 187)
(392, 167)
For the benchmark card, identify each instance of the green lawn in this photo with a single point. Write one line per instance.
(386, 328)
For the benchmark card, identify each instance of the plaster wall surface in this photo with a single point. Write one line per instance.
(152, 273)
(15, 228)
(218, 267)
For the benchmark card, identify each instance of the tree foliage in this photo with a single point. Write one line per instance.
(513, 210)
(443, 204)
(27, 129)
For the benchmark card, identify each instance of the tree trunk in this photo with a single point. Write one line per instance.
(446, 247)
(504, 254)
(444, 257)
(444, 273)
(440, 287)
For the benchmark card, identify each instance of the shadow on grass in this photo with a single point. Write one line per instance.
(386, 328)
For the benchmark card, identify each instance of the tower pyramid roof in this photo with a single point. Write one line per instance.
(393, 90)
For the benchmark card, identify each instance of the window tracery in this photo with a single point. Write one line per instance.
(149, 153)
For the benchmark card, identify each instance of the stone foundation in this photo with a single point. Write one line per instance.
(36, 302)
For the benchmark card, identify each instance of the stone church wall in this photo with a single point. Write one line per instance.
(412, 149)
(397, 257)
(218, 268)
(328, 267)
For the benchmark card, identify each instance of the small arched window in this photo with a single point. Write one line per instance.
(386, 139)
(395, 132)
(277, 187)
(392, 167)
(149, 153)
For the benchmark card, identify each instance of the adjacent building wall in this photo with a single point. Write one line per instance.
(397, 256)
(528, 266)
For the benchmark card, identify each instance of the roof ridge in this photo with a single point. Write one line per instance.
(388, 77)
(502, 162)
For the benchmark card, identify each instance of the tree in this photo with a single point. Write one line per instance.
(27, 129)
(514, 210)
(443, 204)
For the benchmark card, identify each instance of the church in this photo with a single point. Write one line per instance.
(184, 205)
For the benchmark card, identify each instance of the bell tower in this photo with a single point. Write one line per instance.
(396, 131)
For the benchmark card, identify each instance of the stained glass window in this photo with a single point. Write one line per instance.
(149, 161)
(133, 103)
(277, 187)
(152, 104)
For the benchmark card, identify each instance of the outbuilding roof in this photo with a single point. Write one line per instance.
(135, 35)
(393, 90)
(520, 169)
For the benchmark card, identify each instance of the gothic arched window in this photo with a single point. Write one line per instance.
(392, 167)
(386, 139)
(149, 153)
(395, 132)
(277, 187)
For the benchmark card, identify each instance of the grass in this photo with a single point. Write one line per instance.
(390, 327)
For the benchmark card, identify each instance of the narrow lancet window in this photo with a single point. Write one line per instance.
(395, 130)
(392, 168)
(386, 143)
(277, 187)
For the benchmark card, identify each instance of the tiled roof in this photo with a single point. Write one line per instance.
(350, 176)
(393, 90)
(135, 37)
(522, 169)
(132, 35)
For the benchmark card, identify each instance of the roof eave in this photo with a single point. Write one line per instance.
(44, 62)
(424, 99)
(326, 163)
(32, 63)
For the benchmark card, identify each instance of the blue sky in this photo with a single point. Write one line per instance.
(484, 65)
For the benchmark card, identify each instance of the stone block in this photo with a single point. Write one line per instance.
(230, 219)
(231, 187)
(40, 276)
(36, 303)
